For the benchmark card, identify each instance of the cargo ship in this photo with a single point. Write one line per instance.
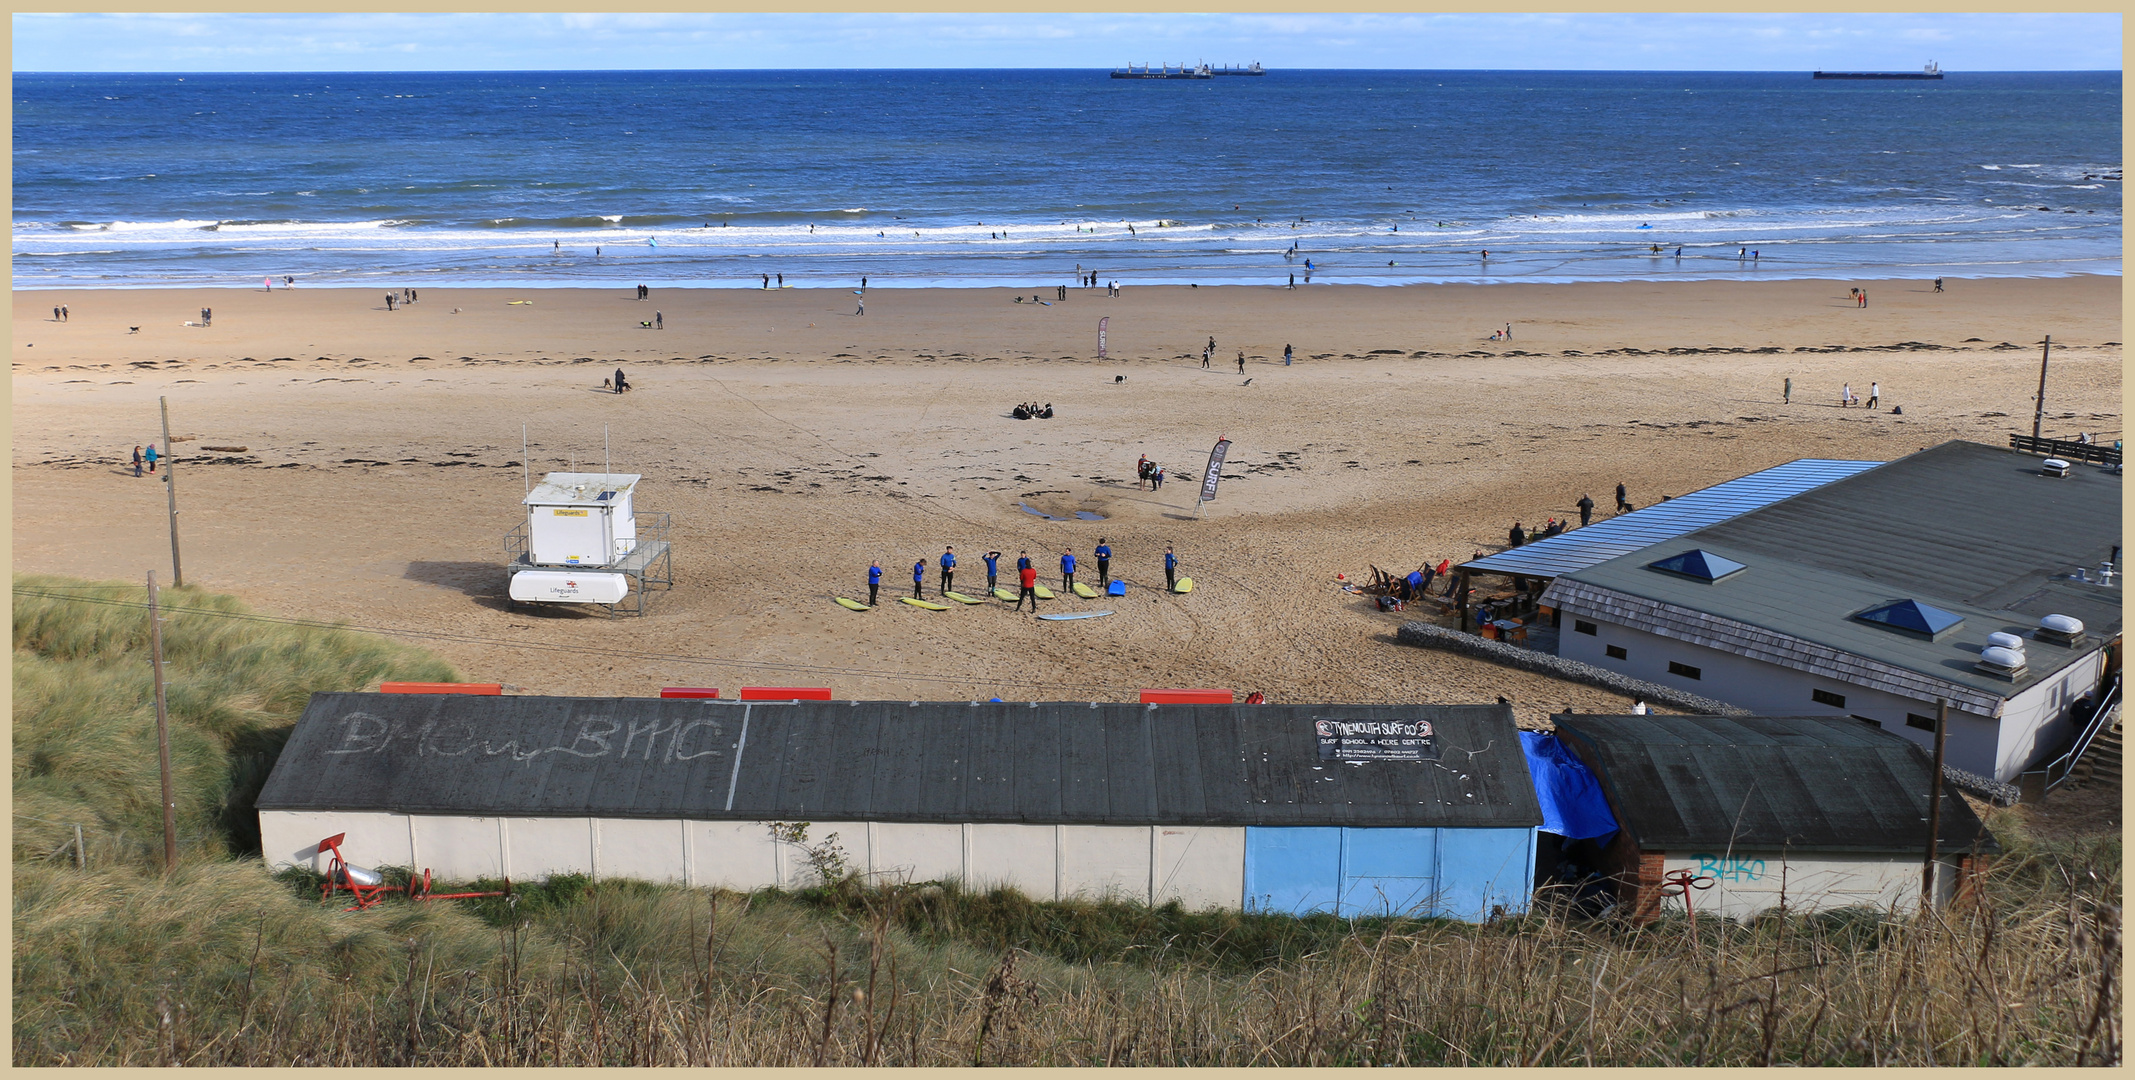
(1163, 71)
(1933, 70)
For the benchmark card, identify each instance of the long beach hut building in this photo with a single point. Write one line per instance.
(1353, 810)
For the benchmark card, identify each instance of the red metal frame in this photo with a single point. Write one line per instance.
(370, 896)
(490, 689)
(1683, 882)
(1188, 697)
(785, 693)
(689, 691)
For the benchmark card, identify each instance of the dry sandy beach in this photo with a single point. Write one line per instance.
(792, 441)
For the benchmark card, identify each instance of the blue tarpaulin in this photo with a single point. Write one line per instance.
(1572, 803)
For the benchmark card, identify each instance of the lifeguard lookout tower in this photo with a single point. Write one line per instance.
(584, 542)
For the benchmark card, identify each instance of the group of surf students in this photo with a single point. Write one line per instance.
(1032, 410)
(1026, 574)
(1148, 472)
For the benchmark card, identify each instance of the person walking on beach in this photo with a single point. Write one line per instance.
(1622, 504)
(1104, 561)
(948, 570)
(1938, 284)
(389, 301)
(1786, 392)
(1875, 394)
(66, 314)
(1586, 510)
(862, 309)
(1204, 358)
(55, 312)
(1845, 395)
(781, 281)
(1171, 569)
(874, 581)
(767, 281)
(993, 570)
(1067, 569)
(1286, 356)
(863, 284)
(621, 384)
(1241, 361)
(137, 461)
(659, 321)
(151, 458)
(919, 577)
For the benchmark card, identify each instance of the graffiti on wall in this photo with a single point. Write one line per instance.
(1726, 868)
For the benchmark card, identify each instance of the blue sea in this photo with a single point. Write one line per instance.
(1018, 178)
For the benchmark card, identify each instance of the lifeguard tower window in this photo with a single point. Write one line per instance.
(1866, 720)
(1685, 670)
(1826, 697)
(1616, 652)
(1582, 626)
(1924, 723)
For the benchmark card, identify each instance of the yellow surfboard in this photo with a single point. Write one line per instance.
(962, 599)
(930, 606)
(1085, 591)
(1043, 592)
(1005, 594)
(1186, 584)
(850, 604)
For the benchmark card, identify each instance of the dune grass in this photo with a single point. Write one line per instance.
(84, 712)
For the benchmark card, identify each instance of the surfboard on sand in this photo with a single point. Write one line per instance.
(1077, 615)
(1186, 584)
(1117, 588)
(926, 604)
(1043, 592)
(1085, 591)
(962, 599)
(1005, 594)
(850, 604)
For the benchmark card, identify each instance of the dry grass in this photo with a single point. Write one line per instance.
(224, 966)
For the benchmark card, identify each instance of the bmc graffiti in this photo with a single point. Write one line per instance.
(1727, 869)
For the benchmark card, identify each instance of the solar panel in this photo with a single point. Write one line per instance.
(1605, 540)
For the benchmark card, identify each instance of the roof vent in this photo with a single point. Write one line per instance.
(1911, 616)
(2001, 663)
(2053, 466)
(1699, 564)
(2060, 629)
(2007, 641)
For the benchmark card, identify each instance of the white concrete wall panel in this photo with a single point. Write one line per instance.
(466, 848)
(543, 846)
(291, 838)
(645, 849)
(1105, 860)
(903, 851)
(1201, 867)
(738, 855)
(2035, 723)
(1017, 856)
(1750, 882)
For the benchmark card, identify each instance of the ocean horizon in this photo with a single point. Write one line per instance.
(1026, 178)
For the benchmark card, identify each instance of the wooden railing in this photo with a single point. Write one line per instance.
(2066, 450)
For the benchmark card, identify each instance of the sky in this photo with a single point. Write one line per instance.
(387, 41)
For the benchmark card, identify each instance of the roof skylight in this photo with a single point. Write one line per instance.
(1911, 616)
(1698, 563)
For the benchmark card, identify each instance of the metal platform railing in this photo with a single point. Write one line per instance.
(2066, 449)
(2061, 768)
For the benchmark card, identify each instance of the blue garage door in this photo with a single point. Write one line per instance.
(1452, 873)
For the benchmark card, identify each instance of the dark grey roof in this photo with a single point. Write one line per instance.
(1968, 528)
(1044, 763)
(1609, 538)
(1685, 784)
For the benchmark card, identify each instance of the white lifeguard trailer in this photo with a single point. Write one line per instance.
(584, 542)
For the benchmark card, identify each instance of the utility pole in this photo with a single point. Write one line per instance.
(170, 484)
(163, 731)
(2039, 416)
(1934, 806)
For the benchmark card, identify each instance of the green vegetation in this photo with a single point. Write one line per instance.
(84, 712)
(220, 963)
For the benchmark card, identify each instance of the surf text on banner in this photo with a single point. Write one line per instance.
(1101, 325)
(1215, 470)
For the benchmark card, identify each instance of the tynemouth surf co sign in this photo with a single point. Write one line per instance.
(1376, 740)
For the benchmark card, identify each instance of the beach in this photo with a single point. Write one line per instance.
(793, 440)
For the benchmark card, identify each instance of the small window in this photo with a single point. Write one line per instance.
(1616, 652)
(1685, 670)
(1924, 723)
(1581, 626)
(1865, 720)
(1826, 697)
